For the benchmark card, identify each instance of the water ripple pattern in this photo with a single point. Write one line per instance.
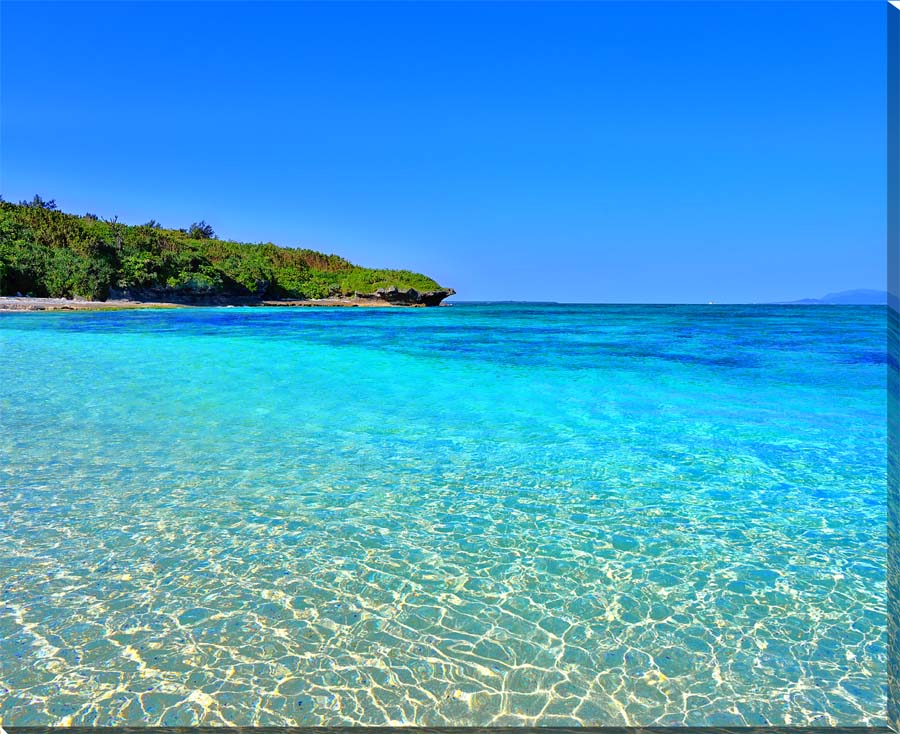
(475, 515)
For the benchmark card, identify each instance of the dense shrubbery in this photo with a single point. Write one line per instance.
(45, 252)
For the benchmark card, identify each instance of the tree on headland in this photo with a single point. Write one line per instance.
(117, 229)
(38, 203)
(201, 231)
(153, 224)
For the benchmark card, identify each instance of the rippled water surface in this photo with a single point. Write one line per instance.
(482, 514)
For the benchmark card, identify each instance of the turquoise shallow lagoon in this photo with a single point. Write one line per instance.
(482, 514)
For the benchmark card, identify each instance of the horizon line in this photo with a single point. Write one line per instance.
(802, 302)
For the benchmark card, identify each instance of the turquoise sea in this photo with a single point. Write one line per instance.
(481, 514)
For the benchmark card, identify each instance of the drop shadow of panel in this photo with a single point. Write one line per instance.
(446, 730)
(893, 362)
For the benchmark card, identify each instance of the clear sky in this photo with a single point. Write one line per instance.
(605, 151)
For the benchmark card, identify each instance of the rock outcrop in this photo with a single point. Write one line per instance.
(410, 297)
(434, 298)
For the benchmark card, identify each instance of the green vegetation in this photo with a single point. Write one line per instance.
(47, 253)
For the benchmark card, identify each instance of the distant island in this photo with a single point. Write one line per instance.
(60, 257)
(858, 297)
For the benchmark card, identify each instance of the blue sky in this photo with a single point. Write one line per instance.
(599, 152)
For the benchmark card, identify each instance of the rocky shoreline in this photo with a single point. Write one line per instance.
(121, 300)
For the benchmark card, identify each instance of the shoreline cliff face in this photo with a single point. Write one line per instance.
(381, 297)
(45, 253)
(363, 300)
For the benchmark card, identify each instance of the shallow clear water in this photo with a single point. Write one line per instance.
(483, 514)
